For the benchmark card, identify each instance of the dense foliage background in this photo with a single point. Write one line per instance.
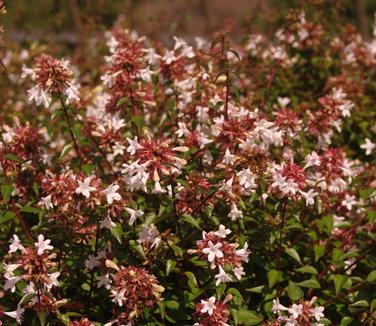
(225, 178)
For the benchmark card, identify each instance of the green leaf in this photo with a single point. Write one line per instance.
(88, 168)
(339, 282)
(117, 232)
(294, 291)
(256, 289)
(371, 276)
(7, 216)
(274, 276)
(346, 321)
(123, 101)
(237, 297)
(12, 157)
(172, 304)
(311, 283)
(307, 269)
(245, 317)
(66, 150)
(192, 282)
(319, 251)
(6, 191)
(138, 248)
(294, 254)
(170, 266)
(191, 220)
(28, 209)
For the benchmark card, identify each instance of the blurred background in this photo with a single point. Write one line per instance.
(71, 21)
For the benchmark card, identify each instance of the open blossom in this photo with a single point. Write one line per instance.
(309, 196)
(149, 236)
(134, 214)
(222, 231)
(349, 201)
(111, 193)
(107, 223)
(222, 276)
(208, 306)
(84, 187)
(15, 244)
(368, 146)
(42, 244)
(17, 314)
(235, 213)
(213, 251)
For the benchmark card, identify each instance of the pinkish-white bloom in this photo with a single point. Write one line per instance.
(42, 245)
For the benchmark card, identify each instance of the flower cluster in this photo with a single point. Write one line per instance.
(212, 312)
(304, 313)
(33, 266)
(52, 77)
(222, 255)
(133, 289)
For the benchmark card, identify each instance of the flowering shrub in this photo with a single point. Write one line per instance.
(208, 184)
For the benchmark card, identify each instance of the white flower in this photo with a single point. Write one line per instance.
(107, 223)
(149, 235)
(84, 187)
(309, 196)
(296, 310)
(15, 244)
(169, 57)
(104, 280)
(278, 307)
(40, 96)
(246, 179)
(9, 269)
(151, 56)
(28, 72)
(238, 272)
(235, 214)
(118, 297)
(53, 280)
(312, 159)
(368, 146)
(182, 130)
(118, 149)
(228, 158)
(29, 289)
(348, 202)
(213, 251)
(179, 42)
(283, 101)
(318, 312)
(158, 188)
(46, 201)
(11, 283)
(222, 232)
(112, 194)
(133, 146)
(42, 245)
(134, 214)
(209, 306)
(222, 276)
(244, 252)
(17, 314)
(92, 262)
(72, 93)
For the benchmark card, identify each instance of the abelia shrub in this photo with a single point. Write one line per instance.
(203, 183)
